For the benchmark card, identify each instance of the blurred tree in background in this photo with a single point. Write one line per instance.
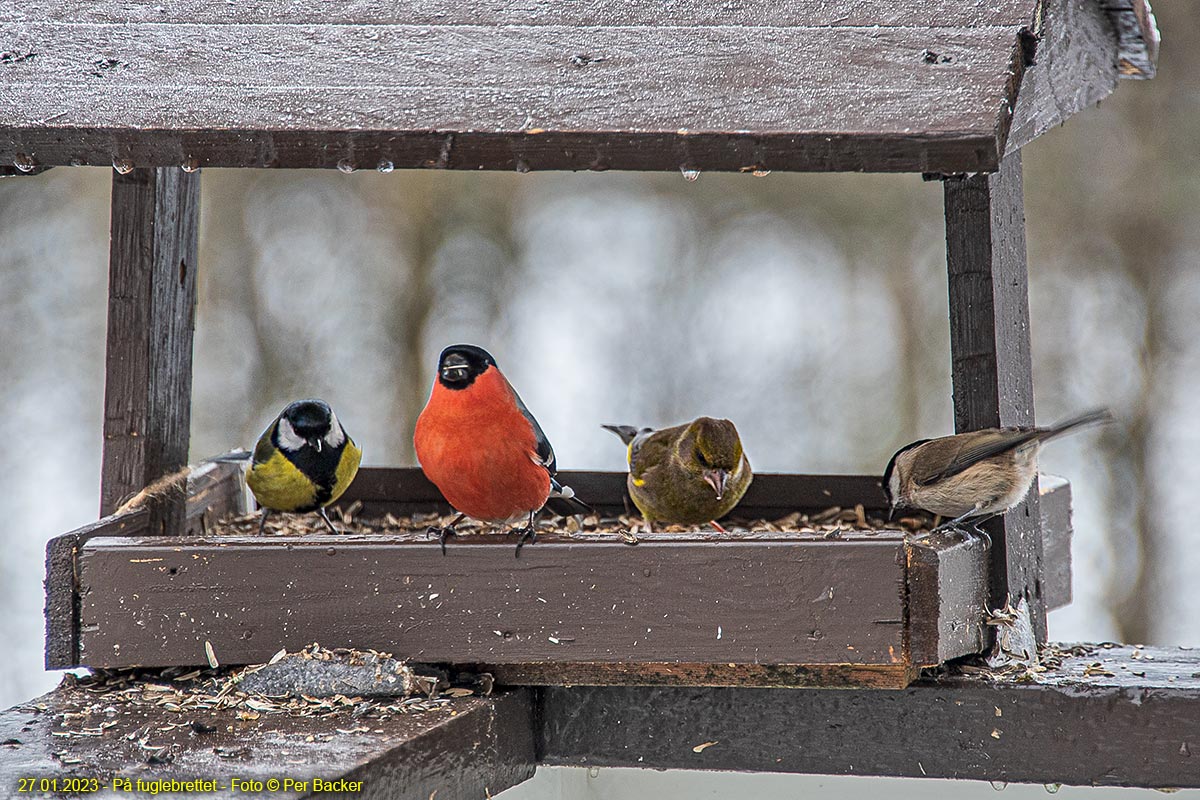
(811, 309)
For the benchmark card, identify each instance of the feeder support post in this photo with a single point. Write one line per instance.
(151, 316)
(990, 351)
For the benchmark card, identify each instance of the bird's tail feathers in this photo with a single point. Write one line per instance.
(626, 432)
(233, 456)
(564, 502)
(1095, 417)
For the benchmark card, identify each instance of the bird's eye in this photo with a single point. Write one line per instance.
(701, 459)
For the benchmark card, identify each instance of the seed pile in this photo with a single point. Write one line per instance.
(829, 523)
(182, 690)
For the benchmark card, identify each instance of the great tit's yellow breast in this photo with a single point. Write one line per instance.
(347, 468)
(280, 486)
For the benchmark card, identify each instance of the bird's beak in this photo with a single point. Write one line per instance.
(716, 479)
(315, 443)
(891, 513)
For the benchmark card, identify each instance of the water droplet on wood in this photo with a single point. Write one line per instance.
(384, 166)
(346, 166)
(123, 166)
(689, 174)
(190, 165)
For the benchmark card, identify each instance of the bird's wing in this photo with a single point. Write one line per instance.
(266, 446)
(544, 452)
(957, 453)
(650, 449)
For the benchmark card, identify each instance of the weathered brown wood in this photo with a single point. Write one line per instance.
(771, 599)
(947, 578)
(1137, 33)
(62, 584)
(219, 485)
(214, 491)
(590, 13)
(406, 489)
(1055, 503)
(151, 312)
(1129, 722)
(475, 747)
(990, 351)
(602, 85)
(1075, 67)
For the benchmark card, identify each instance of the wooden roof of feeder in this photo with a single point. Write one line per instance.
(945, 86)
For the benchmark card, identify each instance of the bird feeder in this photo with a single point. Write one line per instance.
(951, 89)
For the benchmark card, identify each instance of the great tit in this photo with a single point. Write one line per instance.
(303, 461)
(975, 475)
(689, 474)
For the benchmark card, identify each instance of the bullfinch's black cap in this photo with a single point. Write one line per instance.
(460, 364)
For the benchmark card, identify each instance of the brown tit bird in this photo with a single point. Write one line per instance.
(689, 474)
(974, 475)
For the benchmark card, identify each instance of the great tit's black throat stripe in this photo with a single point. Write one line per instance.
(318, 467)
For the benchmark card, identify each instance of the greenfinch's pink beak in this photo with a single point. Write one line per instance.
(716, 479)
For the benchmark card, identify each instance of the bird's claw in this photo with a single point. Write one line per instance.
(442, 534)
(525, 534)
(970, 531)
(328, 522)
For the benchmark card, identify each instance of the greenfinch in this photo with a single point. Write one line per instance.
(689, 474)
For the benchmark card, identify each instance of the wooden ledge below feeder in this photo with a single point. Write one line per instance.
(869, 608)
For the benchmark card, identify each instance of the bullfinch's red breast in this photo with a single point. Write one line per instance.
(478, 443)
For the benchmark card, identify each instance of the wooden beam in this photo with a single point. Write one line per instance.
(1074, 66)
(151, 313)
(990, 351)
(766, 608)
(1110, 716)
(215, 490)
(943, 593)
(702, 85)
(472, 748)
(1138, 37)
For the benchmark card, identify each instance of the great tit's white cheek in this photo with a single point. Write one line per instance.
(336, 435)
(288, 439)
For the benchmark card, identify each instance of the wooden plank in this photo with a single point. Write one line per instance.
(589, 13)
(1075, 68)
(1131, 721)
(643, 94)
(1137, 34)
(217, 486)
(214, 491)
(475, 747)
(947, 579)
(1055, 502)
(62, 584)
(990, 351)
(384, 490)
(773, 599)
(151, 314)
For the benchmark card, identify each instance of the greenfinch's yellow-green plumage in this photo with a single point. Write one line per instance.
(303, 461)
(689, 474)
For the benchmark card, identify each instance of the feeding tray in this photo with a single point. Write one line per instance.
(855, 607)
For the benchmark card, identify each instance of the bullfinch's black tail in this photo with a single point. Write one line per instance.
(1095, 417)
(564, 502)
(626, 432)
